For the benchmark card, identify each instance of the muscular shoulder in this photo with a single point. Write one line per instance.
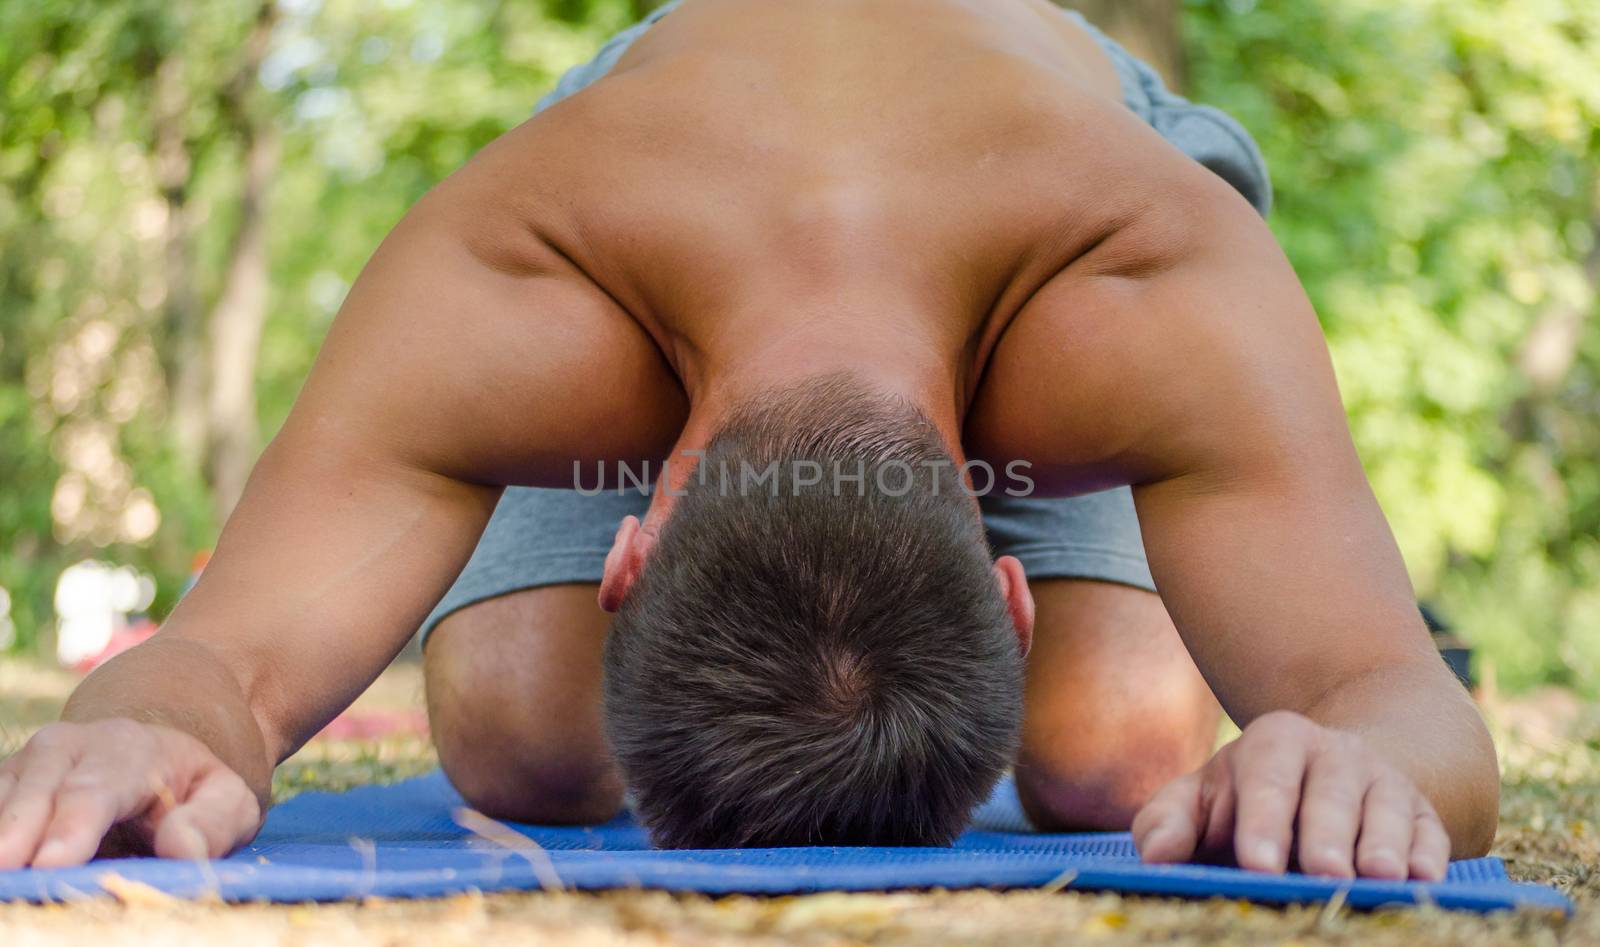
(502, 206)
(473, 346)
(1181, 339)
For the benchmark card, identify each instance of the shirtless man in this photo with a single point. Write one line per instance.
(869, 232)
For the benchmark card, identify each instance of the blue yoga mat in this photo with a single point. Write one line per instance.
(404, 841)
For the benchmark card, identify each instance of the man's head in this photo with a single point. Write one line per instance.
(808, 656)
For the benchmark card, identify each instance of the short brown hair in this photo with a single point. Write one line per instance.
(803, 664)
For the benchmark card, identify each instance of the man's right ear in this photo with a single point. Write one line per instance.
(624, 563)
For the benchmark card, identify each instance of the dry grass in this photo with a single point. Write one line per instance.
(1550, 744)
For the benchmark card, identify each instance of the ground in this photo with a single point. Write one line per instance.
(1550, 747)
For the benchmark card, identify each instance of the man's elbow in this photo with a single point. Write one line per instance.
(1463, 781)
(1479, 789)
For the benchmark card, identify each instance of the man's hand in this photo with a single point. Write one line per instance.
(1289, 786)
(162, 790)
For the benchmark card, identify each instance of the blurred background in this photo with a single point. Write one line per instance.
(187, 190)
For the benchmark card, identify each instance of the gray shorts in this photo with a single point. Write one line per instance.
(553, 537)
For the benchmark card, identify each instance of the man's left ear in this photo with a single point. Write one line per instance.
(1019, 600)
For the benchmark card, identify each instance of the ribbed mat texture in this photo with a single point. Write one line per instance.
(404, 841)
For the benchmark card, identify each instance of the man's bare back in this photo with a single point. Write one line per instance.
(944, 196)
(827, 177)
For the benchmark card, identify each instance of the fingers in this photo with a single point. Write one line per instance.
(1388, 821)
(1331, 808)
(1430, 845)
(1217, 802)
(31, 800)
(1267, 775)
(91, 799)
(1169, 827)
(219, 814)
(81, 818)
(1287, 781)
(72, 785)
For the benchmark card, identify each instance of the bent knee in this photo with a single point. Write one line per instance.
(516, 719)
(512, 759)
(1081, 786)
(544, 789)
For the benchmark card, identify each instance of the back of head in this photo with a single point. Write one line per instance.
(817, 650)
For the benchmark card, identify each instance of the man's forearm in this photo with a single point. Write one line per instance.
(1420, 719)
(1301, 603)
(180, 683)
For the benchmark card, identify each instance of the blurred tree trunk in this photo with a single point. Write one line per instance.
(235, 332)
(235, 322)
(1150, 29)
(182, 354)
(1552, 346)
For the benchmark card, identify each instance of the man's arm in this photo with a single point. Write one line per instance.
(1285, 589)
(466, 356)
(1186, 360)
(332, 559)
(321, 576)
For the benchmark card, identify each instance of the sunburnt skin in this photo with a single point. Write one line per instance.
(944, 197)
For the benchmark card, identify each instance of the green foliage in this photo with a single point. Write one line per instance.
(373, 102)
(1436, 174)
(1437, 190)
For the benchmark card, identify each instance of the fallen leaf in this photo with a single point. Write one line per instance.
(134, 894)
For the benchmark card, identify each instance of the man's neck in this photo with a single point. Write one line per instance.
(933, 390)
